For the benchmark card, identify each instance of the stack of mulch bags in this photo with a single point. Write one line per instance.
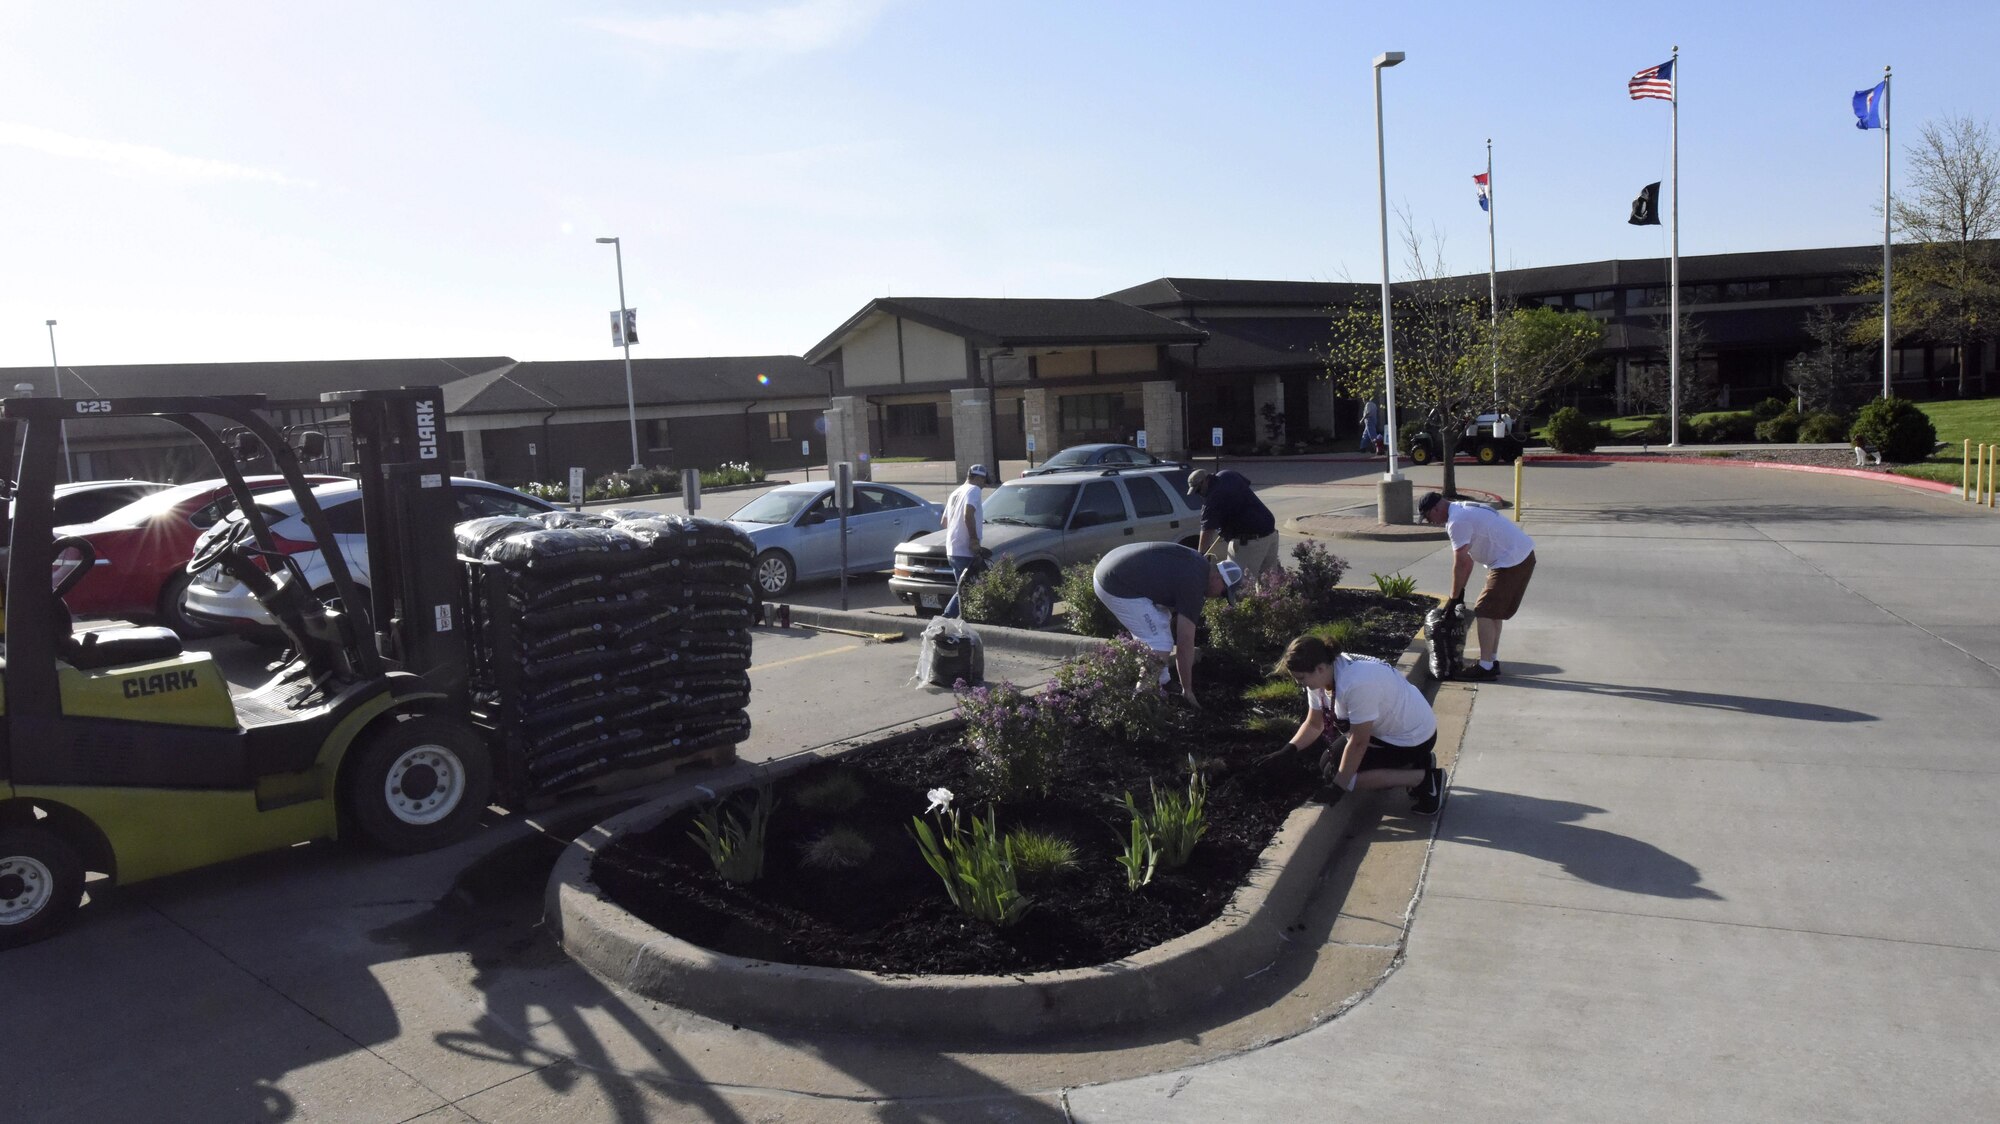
(610, 641)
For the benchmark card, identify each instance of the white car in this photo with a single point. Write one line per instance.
(214, 598)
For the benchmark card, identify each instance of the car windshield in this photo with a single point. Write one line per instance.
(1069, 458)
(1030, 505)
(151, 507)
(781, 506)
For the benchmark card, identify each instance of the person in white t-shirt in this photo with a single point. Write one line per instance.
(1483, 535)
(963, 512)
(1390, 731)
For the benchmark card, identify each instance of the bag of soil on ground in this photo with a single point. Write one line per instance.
(1445, 634)
(950, 652)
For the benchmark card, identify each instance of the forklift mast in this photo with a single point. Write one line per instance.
(408, 507)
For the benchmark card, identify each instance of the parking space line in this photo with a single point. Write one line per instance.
(807, 656)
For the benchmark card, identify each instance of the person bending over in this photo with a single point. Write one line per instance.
(1390, 729)
(1156, 589)
(1482, 535)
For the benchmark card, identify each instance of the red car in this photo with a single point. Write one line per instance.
(143, 548)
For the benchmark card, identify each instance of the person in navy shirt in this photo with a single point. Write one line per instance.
(1231, 511)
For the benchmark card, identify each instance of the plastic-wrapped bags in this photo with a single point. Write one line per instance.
(602, 549)
(950, 651)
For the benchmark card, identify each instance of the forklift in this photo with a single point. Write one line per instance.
(124, 755)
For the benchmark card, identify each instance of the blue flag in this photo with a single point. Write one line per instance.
(1868, 106)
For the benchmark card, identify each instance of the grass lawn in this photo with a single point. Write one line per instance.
(1625, 427)
(1974, 419)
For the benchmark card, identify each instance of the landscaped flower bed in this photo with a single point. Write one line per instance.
(844, 879)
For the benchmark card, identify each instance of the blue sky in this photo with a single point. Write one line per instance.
(234, 181)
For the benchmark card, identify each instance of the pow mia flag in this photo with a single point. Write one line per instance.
(1646, 208)
(624, 327)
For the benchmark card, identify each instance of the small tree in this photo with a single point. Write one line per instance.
(1544, 351)
(1651, 386)
(1825, 375)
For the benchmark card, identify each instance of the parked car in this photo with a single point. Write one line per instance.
(143, 547)
(85, 501)
(220, 601)
(1490, 440)
(796, 531)
(1045, 523)
(1079, 457)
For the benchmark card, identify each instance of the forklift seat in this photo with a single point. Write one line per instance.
(87, 651)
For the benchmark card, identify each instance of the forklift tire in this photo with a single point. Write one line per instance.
(417, 784)
(41, 884)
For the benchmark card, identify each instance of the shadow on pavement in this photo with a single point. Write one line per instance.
(1707, 700)
(1547, 830)
(1697, 514)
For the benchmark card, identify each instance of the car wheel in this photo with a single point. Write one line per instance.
(417, 784)
(773, 573)
(173, 608)
(41, 884)
(1038, 604)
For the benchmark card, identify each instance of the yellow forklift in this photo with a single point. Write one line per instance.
(124, 755)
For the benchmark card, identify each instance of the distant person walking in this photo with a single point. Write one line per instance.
(1390, 730)
(1371, 425)
(964, 511)
(1231, 511)
(1482, 535)
(1156, 590)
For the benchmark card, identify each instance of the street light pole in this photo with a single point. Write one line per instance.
(631, 401)
(1382, 61)
(69, 465)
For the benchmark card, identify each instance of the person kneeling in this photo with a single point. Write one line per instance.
(1390, 730)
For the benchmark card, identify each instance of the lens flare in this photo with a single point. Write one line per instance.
(763, 380)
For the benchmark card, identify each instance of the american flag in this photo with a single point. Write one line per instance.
(1653, 82)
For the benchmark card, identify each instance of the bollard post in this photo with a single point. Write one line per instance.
(1517, 489)
(1965, 473)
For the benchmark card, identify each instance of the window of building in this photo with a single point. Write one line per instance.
(1600, 300)
(1100, 504)
(1700, 294)
(1652, 296)
(911, 419)
(1556, 300)
(1746, 291)
(780, 426)
(1148, 498)
(656, 434)
(1080, 412)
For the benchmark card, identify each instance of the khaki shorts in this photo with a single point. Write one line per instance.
(1500, 599)
(1257, 555)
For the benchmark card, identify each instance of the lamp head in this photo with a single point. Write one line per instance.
(606, 241)
(1388, 58)
(50, 323)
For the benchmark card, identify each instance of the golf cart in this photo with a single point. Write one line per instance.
(1490, 440)
(123, 754)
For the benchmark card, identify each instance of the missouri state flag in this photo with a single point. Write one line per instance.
(1480, 184)
(1868, 106)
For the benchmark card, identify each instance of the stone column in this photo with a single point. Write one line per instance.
(1039, 415)
(475, 453)
(1267, 390)
(847, 435)
(1322, 405)
(1162, 410)
(972, 431)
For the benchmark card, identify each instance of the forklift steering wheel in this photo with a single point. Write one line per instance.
(218, 546)
(83, 567)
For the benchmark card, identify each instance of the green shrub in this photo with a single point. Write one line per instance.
(1823, 428)
(841, 848)
(1779, 429)
(1087, 615)
(1041, 854)
(1347, 634)
(832, 794)
(733, 844)
(1570, 432)
(1655, 432)
(997, 596)
(1770, 408)
(1113, 690)
(1317, 571)
(1896, 428)
(1016, 741)
(1733, 428)
(1263, 620)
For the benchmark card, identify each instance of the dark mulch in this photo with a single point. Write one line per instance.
(891, 914)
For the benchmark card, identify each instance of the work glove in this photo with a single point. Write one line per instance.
(1454, 605)
(985, 553)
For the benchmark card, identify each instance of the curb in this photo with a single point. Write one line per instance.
(1057, 644)
(1177, 978)
(1726, 462)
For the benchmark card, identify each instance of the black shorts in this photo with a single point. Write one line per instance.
(1382, 755)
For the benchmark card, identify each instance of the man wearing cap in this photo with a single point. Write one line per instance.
(1156, 590)
(963, 511)
(1482, 535)
(1232, 512)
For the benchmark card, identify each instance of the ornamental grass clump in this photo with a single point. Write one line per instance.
(1114, 690)
(840, 848)
(1041, 854)
(833, 793)
(1395, 585)
(976, 866)
(1016, 741)
(733, 844)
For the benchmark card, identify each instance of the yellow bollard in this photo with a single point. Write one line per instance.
(1517, 489)
(1965, 473)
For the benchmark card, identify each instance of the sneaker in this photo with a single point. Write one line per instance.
(1327, 794)
(1428, 797)
(1473, 673)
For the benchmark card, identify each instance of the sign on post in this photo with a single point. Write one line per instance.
(1215, 437)
(691, 490)
(1141, 442)
(576, 487)
(843, 500)
(805, 448)
(1031, 442)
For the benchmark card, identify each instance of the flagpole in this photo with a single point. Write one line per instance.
(1886, 200)
(1674, 269)
(1492, 281)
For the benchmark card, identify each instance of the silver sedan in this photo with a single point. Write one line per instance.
(796, 531)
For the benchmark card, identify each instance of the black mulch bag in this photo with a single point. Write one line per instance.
(718, 571)
(538, 594)
(558, 520)
(661, 665)
(593, 549)
(475, 535)
(1446, 634)
(548, 645)
(716, 595)
(708, 620)
(564, 613)
(564, 691)
(681, 536)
